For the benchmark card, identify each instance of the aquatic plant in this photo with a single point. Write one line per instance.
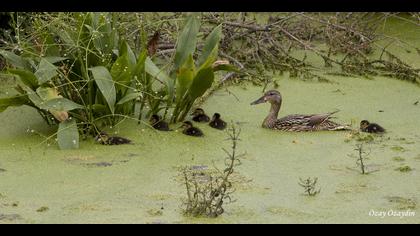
(360, 158)
(209, 190)
(79, 72)
(404, 169)
(309, 186)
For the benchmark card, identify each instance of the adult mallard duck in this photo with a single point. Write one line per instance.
(366, 126)
(295, 123)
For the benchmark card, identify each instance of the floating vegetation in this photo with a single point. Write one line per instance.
(358, 136)
(398, 149)
(402, 203)
(42, 209)
(9, 217)
(398, 158)
(208, 190)
(309, 186)
(404, 169)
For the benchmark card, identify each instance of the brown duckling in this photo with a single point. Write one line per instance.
(190, 130)
(200, 116)
(366, 126)
(217, 123)
(104, 139)
(159, 124)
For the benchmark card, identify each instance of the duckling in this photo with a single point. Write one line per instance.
(190, 130)
(159, 124)
(217, 123)
(366, 126)
(104, 139)
(200, 116)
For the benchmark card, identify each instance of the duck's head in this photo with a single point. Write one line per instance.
(197, 111)
(216, 116)
(186, 125)
(102, 137)
(154, 118)
(272, 96)
(364, 124)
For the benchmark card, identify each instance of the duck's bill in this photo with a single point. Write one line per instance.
(258, 101)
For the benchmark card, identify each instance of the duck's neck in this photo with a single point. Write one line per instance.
(272, 115)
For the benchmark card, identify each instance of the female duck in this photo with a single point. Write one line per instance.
(217, 123)
(190, 130)
(159, 124)
(200, 116)
(366, 126)
(104, 139)
(295, 123)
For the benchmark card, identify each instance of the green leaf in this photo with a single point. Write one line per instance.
(129, 97)
(126, 49)
(68, 135)
(46, 71)
(226, 67)
(27, 77)
(47, 93)
(106, 85)
(12, 101)
(187, 40)
(33, 96)
(120, 70)
(211, 42)
(60, 104)
(54, 60)
(14, 59)
(211, 58)
(185, 77)
(155, 72)
(139, 68)
(202, 81)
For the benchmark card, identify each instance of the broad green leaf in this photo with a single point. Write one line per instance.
(184, 77)
(226, 67)
(99, 108)
(140, 66)
(60, 104)
(202, 81)
(12, 101)
(27, 77)
(64, 36)
(154, 71)
(33, 96)
(54, 60)
(126, 49)
(211, 58)
(47, 93)
(46, 71)
(120, 70)
(129, 97)
(68, 135)
(187, 40)
(106, 85)
(211, 42)
(14, 59)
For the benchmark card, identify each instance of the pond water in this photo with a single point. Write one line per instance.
(137, 183)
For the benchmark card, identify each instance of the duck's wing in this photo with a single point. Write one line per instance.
(318, 119)
(295, 119)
